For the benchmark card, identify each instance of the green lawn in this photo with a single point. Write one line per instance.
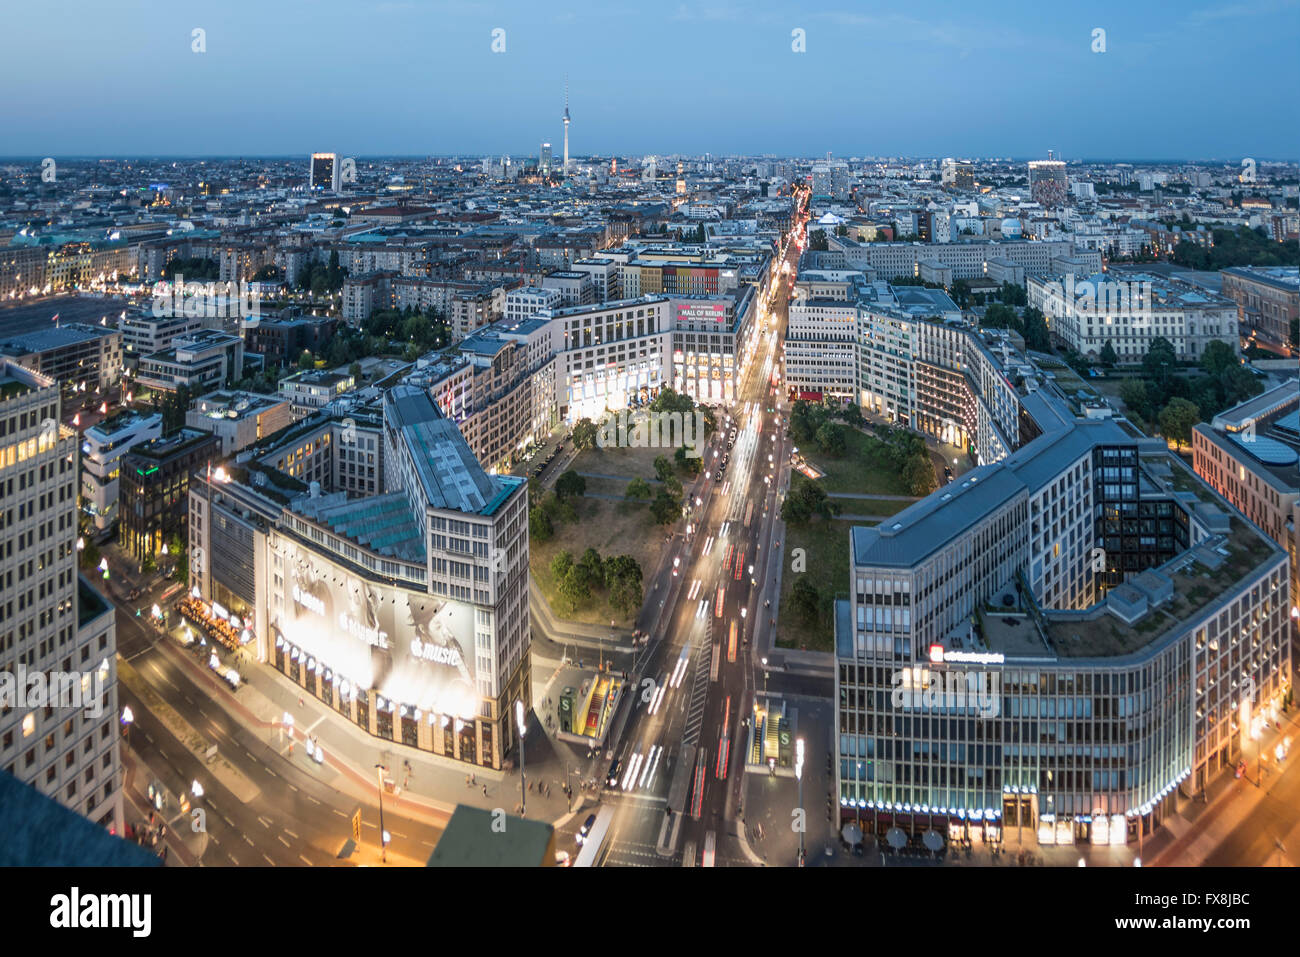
(856, 470)
(612, 528)
(826, 553)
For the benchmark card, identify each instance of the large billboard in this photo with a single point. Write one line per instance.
(411, 647)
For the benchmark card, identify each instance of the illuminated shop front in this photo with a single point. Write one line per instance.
(390, 659)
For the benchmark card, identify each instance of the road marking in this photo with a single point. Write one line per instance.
(248, 840)
(232, 858)
(291, 834)
(303, 858)
(314, 801)
(398, 834)
(280, 838)
(264, 822)
(268, 860)
(338, 812)
(294, 787)
(270, 772)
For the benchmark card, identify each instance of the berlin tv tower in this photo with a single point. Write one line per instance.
(566, 124)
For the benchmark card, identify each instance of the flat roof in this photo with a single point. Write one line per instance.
(475, 837)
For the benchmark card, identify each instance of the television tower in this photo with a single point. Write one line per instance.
(566, 124)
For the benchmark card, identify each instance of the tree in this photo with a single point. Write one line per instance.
(918, 476)
(584, 434)
(1133, 393)
(638, 488)
(1035, 331)
(817, 240)
(690, 464)
(569, 485)
(998, 316)
(594, 566)
(830, 439)
(805, 499)
(306, 360)
(1218, 358)
(354, 370)
(624, 584)
(535, 490)
(561, 564)
(540, 528)
(574, 587)
(663, 468)
(665, 509)
(806, 600)
(1159, 363)
(1177, 419)
(1108, 356)
(852, 415)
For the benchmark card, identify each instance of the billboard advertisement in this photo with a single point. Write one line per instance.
(409, 646)
(708, 311)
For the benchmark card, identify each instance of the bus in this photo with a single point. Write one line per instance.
(706, 859)
(749, 512)
(740, 563)
(721, 598)
(595, 841)
(731, 642)
(726, 562)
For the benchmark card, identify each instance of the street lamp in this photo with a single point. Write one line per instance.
(127, 718)
(383, 835)
(523, 729)
(798, 773)
(764, 660)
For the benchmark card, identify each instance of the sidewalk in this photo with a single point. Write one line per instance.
(434, 786)
(1191, 835)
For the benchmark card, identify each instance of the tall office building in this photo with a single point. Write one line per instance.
(544, 162)
(1047, 183)
(325, 171)
(56, 632)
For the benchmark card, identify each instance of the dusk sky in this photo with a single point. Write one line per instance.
(1177, 80)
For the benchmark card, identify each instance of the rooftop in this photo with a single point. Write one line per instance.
(473, 838)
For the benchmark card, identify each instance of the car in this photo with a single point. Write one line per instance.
(586, 828)
(947, 474)
(611, 779)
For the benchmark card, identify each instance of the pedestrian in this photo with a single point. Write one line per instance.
(467, 780)
(300, 701)
(485, 790)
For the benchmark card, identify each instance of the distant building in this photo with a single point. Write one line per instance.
(76, 354)
(155, 482)
(314, 389)
(239, 419)
(1268, 301)
(203, 360)
(282, 341)
(325, 172)
(1048, 183)
(102, 448)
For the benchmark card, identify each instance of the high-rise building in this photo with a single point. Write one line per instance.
(1047, 183)
(53, 624)
(544, 161)
(325, 171)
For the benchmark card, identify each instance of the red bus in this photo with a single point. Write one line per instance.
(721, 597)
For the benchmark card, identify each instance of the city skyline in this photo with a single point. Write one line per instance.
(1007, 85)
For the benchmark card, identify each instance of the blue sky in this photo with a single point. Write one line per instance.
(1178, 79)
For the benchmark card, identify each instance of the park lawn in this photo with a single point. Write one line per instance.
(612, 528)
(826, 549)
(855, 471)
(627, 462)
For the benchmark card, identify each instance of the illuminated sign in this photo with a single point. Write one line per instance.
(408, 646)
(701, 312)
(973, 657)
